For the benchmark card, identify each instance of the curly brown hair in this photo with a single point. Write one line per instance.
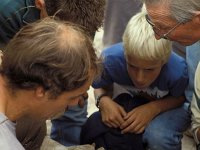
(87, 13)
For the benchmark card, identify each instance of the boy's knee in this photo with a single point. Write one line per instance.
(158, 138)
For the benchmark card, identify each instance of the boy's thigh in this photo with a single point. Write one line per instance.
(167, 128)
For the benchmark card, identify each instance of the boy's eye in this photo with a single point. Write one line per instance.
(131, 66)
(149, 69)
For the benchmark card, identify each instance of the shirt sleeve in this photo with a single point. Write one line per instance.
(195, 105)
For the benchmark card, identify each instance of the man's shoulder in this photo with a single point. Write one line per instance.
(14, 15)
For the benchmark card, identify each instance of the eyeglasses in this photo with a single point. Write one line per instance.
(155, 29)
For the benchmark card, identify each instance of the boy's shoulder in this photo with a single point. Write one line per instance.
(173, 76)
(176, 63)
(175, 68)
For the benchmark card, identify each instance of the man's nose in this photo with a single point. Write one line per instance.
(158, 37)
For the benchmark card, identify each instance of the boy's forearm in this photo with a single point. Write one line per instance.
(168, 103)
(105, 91)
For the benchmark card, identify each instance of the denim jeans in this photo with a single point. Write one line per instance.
(166, 130)
(66, 129)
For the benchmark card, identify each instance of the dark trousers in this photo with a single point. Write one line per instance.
(31, 133)
(95, 131)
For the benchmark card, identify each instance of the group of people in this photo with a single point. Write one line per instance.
(144, 91)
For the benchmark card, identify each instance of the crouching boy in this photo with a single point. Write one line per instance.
(154, 78)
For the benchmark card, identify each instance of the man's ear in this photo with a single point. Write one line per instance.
(39, 92)
(197, 17)
(40, 4)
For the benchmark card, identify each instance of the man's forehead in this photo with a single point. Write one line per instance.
(158, 10)
(159, 14)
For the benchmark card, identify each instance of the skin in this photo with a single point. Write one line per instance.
(40, 4)
(185, 34)
(142, 73)
(36, 103)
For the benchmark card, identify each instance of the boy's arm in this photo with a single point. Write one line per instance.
(167, 103)
(139, 117)
(112, 113)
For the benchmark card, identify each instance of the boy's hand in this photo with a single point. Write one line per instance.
(139, 118)
(112, 113)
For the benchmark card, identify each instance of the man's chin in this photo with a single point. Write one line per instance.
(187, 43)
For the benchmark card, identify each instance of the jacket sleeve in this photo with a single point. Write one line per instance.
(195, 105)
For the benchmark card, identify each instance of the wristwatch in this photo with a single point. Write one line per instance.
(98, 98)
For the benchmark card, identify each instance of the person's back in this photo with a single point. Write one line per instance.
(14, 15)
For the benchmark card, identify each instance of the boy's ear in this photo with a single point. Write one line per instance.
(197, 17)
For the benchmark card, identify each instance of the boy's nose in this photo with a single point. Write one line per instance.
(140, 77)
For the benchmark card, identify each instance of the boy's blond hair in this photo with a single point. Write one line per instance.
(139, 40)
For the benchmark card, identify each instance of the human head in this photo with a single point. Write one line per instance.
(51, 54)
(87, 13)
(144, 54)
(165, 14)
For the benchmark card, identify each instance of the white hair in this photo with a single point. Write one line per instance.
(180, 10)
(139, 40)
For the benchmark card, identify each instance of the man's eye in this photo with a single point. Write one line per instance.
(165, 28)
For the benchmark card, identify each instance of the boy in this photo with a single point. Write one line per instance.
(146, 68)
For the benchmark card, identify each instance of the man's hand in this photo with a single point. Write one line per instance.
(112, 113)
(137, 119)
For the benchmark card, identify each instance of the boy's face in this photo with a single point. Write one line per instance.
(143, 72)
(47, 108)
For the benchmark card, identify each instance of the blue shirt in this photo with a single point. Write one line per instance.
(172, 80)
